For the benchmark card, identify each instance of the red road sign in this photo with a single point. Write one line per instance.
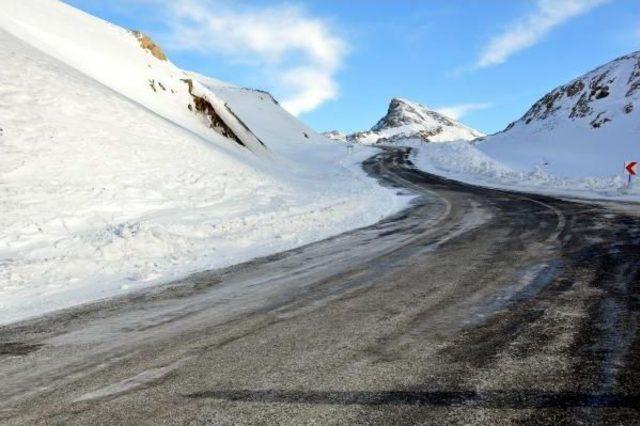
(630, 167)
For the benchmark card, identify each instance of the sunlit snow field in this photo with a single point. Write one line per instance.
(100, 196)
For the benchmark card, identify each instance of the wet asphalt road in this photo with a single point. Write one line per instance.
(473, 306)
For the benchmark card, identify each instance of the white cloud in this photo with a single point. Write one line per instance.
(300, 53)
(458, 111)
(531, 29)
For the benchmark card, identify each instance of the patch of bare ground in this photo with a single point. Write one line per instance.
(148, 44)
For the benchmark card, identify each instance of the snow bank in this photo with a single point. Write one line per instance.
(468, 163)
(570, 149)
(101, 196)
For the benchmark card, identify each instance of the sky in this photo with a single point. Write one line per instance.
(336, 64)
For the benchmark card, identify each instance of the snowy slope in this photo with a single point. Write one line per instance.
(587, 127)
(406, 119)
(105, 188)
(99, 50)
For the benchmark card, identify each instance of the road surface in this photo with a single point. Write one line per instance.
(472, 306)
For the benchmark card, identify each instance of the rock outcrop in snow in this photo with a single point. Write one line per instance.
(148, 44)
(410, 120)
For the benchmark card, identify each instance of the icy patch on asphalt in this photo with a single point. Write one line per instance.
(143, 379)
(529, 281)
(475, 217)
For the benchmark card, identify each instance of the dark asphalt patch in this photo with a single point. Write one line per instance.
(17, 348)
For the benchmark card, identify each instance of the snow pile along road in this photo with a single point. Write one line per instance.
(464, 162)
(110, 181)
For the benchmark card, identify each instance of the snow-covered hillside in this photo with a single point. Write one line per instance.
(587, 127)
(109, 181)
(573, 141)
(410, 120)
(99, 50)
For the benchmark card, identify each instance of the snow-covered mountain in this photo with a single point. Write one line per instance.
(118, 169)
(608, 93)
(409, 120)
(573, 141)
(587, 127)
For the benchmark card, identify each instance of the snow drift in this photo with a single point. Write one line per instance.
(109, 181)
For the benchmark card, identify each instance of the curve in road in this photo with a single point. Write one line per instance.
(472, 306)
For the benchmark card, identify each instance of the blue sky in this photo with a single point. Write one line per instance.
(337, 63)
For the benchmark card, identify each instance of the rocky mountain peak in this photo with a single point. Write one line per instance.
(402, 112)
(607, 93)
(410, 120)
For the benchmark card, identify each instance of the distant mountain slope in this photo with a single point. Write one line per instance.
(409, 120)
(587, 127)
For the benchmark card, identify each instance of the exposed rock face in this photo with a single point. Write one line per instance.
(148, 44)
(597, 97)
(410, 120)
(203, 106)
